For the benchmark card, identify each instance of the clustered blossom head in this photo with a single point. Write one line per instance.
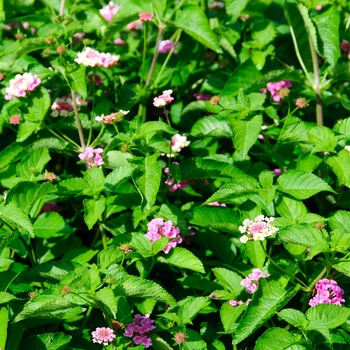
(21, 84)
(179, 142)
(258, 229)
(214, 100)
(112, 118)
(180, 338)
(275, 87)
(15, 119)
(138, 330)
(93, 58)
(92, 157)
(146, 16)
(109, 11)
(171, 181)
(166, 45)
(49, 176)
(251, 282)
(345, 47)
(327, 292)
(103, 335)
(62, 106)
(95, 79)
(158, 228)
(136, 25)
(164, 99)
(217, 204)
(301, 102)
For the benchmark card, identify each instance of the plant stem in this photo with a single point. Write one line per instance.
(93, 106)
(80, 128)
(104, 237)
(62, 7)
(85, 321)
(167, 115)
(317, 85)
(155, 54)
(29, 251)
(98, 136)
(178, 32)
(144, 51)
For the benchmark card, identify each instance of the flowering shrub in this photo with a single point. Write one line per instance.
(174, 174)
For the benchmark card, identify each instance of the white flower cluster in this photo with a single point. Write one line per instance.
(258, 229)
(93, 58)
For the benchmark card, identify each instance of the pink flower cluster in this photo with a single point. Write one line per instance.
(93, 58)
(217, 204)
(251, 282)
(158, 228)
(138, 329)
(274, 88)
(103, 335)
(15, 119)
(62, 106)
(21, 84)
(164, 99)
(136, 25)
(171, 181)
(92, 156)
(258, 229)
(327, 292)
(179, 142)
(166, 45)
(146, 16)
(109, 11)
(112, 118)
(239, 302)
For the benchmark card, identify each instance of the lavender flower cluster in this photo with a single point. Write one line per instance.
(138, 329)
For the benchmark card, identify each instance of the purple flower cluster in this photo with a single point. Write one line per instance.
(92, 156)
(327, 292)
(159, 228)
(251, 282)
(274, 88)
(138, 329)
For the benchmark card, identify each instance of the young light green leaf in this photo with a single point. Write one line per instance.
(290, 208)
(340, 164)
(50, 224)
(73, 185)
(190, 309)
(107, 297)
(193, 341)
(229, 280)
(4, 314)
(182, 258)
(47, 341)
(333, 315)
(157, 126)
(301, 184)
(322, 138)
(245, 133)
(38, 106)
(275, 338)
(109, 256)
(341, 220)
(93, 209)
(77, 80)
(10, 153)
(94, 180)
(342, 266)
(194, 22)
(91, 279)
(212, 126)
(6, 297)
(118, 176)
(266, 301)
(229, 315)
(235, 7)
(255, 253)
(293, 317)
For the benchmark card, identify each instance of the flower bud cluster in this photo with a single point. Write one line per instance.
(21, 84)
(109, 11)
(164, 99)
(103, 335)
(62, 106)
(138, 329)
(93, 58)
(179, 142)
(217, 204)
(158, 228)
(274, 88)
(92, 156)
(112, 118)
(251, 282)
(258, 229)
(327, 292)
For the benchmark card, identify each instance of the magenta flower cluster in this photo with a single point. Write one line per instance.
(158, 228)
(165, 46)
(103, 335)
(327, 292)
(92, 156)
(138, 330)
(275, 87)
(21, 84)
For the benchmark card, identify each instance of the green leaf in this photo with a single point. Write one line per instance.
(159, 343)
(308, 162)
(275, 338)
(149, 181)
(255, 253)
(244, 76)
(266, 301)
(39, 105)
(293, 317)
(291, 208)
(182, 258)
(190, 309)
(229, 280)
(222, 219)
(245, 133)
(47, 341)
(4, 313)
(333, 315)
(107, 297)
(193, 341)
(321, 327)
(342, 266)
(327, 23)
(322, 138)
(10, 154)
(32, 165)
(109, 256)
(6, 297)
(301, 184)
(73, 185)
(340, 164)
(94, 181)
(91, 279)
(80, 255)
(93, 209)
(229, 315)
(118, 175)
(340, 220)
(235, 7)
(194, 22)
(157, 126)
(214, 126)
(51, 224)
(141, 288)
(77, 80)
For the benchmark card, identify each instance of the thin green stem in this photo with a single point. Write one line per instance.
(104, 237)
(178, 31)
(80, 128)
(85, 321)
(64, 138)
(2, 17)
(144, 52)
(94, 143)
(155, 54)
(317, 85)
(347, 24)
(166, 115)
(176, 8)
(92, 115)
(142, 112)
(63, 2)
(29, 251)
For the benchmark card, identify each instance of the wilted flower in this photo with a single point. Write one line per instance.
(49, 176)
(327, 292)
(92, 156)
(65, 290)
(201, 96)
(21, 84)
(93, 58)
(109, 11)
(164, 99)
(95, 79)
(176, 185)
(103, 335)
(258, 229)
(62, 106)
(214, 100)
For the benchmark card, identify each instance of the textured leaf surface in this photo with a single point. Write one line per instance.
(333, 315)
(51, 224)
(228, 279)
(235, 7)
(274, 339)
(93, 209)
(212, 126)
(340, 164)
(294, 317)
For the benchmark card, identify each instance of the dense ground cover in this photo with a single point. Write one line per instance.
(174, 174)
